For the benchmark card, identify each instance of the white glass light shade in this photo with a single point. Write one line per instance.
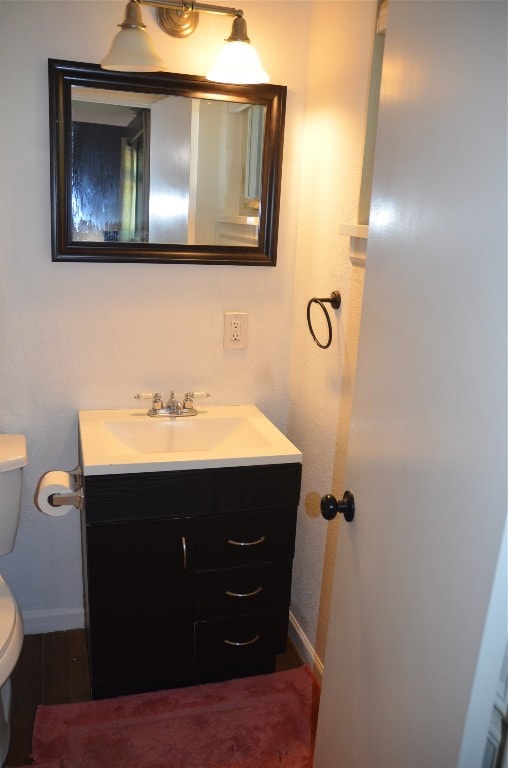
(238, 63)
(132, 50)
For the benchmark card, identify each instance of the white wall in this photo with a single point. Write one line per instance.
(91, 335)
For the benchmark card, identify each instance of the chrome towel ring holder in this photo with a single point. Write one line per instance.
(335, 300)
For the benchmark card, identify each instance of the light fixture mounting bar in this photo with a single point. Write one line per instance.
(186, 7)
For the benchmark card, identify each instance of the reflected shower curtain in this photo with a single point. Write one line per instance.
(128, 176)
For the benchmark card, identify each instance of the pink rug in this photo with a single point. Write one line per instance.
(266, 721)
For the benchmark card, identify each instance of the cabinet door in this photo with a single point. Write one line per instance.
(140, 595)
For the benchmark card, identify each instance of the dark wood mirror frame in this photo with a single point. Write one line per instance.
(65, 74)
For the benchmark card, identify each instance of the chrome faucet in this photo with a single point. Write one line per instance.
(173, 407)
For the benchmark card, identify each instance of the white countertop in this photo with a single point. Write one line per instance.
(128, 440)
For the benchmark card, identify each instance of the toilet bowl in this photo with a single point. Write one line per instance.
(13, 457)
(11, 641)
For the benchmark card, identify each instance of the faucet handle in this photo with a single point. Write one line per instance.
(191, 396)
(155, 397)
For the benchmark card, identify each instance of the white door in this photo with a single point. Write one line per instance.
(427, 454)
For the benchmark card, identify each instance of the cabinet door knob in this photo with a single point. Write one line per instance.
(184, 553)
(247, 543)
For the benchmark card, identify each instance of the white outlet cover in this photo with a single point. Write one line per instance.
(235, 330)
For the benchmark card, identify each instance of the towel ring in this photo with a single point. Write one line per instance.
(335, 301)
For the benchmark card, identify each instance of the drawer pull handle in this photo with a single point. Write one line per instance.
(247, 543)
(184, 552)
(248, 642)
(244, 594)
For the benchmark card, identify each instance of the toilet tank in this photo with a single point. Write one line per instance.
(13, 457)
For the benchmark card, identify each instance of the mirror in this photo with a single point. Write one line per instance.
(163, 167)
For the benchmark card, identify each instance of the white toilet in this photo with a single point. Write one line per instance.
(13, 457)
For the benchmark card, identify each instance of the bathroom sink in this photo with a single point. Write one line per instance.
(165, 435)
(12, 452)
(119, 441)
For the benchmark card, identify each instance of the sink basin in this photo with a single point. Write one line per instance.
(148, 435)
(12, 452)
(119, 441)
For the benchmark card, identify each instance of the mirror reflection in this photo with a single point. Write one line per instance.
(163, 167)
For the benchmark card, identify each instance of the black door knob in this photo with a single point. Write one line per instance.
(330, 506)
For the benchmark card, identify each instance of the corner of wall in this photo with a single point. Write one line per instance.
(322, 380)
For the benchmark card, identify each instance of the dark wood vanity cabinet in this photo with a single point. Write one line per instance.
(187, 574)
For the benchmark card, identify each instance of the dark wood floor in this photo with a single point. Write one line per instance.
(53, 669)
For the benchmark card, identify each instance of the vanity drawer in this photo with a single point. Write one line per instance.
(240, 641)
(243, 539)
(235, 591)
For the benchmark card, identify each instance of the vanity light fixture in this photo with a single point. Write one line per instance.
(133, 50)
(238, 62)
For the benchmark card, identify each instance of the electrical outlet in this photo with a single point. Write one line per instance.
(235, 330)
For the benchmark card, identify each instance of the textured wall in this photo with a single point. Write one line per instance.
(90, 336)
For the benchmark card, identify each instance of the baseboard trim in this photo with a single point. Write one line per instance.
(305, 647)
(57, 620)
